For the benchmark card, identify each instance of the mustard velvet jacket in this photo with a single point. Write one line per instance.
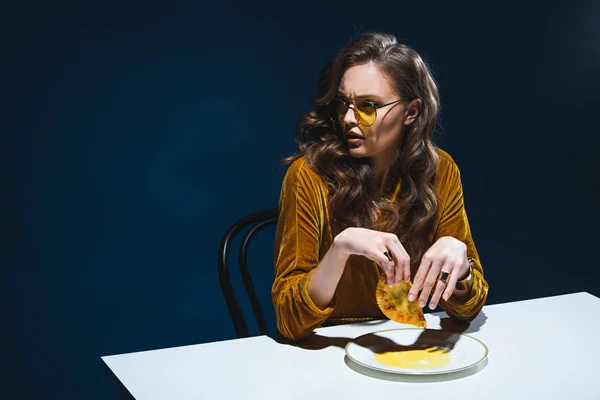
(305, 231)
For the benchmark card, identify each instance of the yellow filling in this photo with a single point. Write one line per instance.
(415, 359)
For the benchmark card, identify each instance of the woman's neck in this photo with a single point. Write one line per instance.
(381, 175)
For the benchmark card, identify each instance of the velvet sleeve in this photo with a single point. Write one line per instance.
(302, 208)
(454, 223)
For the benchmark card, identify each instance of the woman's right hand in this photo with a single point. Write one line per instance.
(373, 245)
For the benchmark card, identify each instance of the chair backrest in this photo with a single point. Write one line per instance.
(254, 222)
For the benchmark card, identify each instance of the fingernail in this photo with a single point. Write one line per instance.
(446, 296)
(421, 304)
(432, 306)
(411, 297)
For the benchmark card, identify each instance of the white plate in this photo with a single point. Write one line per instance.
(416, 351)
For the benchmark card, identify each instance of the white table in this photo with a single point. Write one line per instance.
(545, 348)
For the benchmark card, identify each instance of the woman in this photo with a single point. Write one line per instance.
(369, 195)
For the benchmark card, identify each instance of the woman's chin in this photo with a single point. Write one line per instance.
(357, 152)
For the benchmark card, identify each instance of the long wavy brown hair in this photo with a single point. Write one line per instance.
(354, 198)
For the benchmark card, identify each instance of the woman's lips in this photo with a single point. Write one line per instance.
(354, 139)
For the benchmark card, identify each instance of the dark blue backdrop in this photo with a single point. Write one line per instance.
(137, 132)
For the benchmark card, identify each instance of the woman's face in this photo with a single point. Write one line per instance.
(381, 140)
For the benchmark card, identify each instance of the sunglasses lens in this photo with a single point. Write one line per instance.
(337, 110)
(366, 113)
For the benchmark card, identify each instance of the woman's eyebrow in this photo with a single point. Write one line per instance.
(362, 96)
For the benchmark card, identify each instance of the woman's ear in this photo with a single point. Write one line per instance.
(412, 111)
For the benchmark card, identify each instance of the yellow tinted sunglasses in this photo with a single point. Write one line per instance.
(365, 111)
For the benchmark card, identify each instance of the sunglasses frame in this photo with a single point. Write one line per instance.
(348, 102)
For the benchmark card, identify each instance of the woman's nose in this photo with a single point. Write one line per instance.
(350, 117)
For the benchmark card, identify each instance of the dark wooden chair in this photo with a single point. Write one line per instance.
(251, 224)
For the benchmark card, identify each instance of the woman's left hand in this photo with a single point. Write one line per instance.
(446, 255)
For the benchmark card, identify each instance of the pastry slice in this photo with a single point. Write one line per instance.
(393, 302)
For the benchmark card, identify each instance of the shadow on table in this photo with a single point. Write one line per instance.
(443, 339)
(448, 335)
